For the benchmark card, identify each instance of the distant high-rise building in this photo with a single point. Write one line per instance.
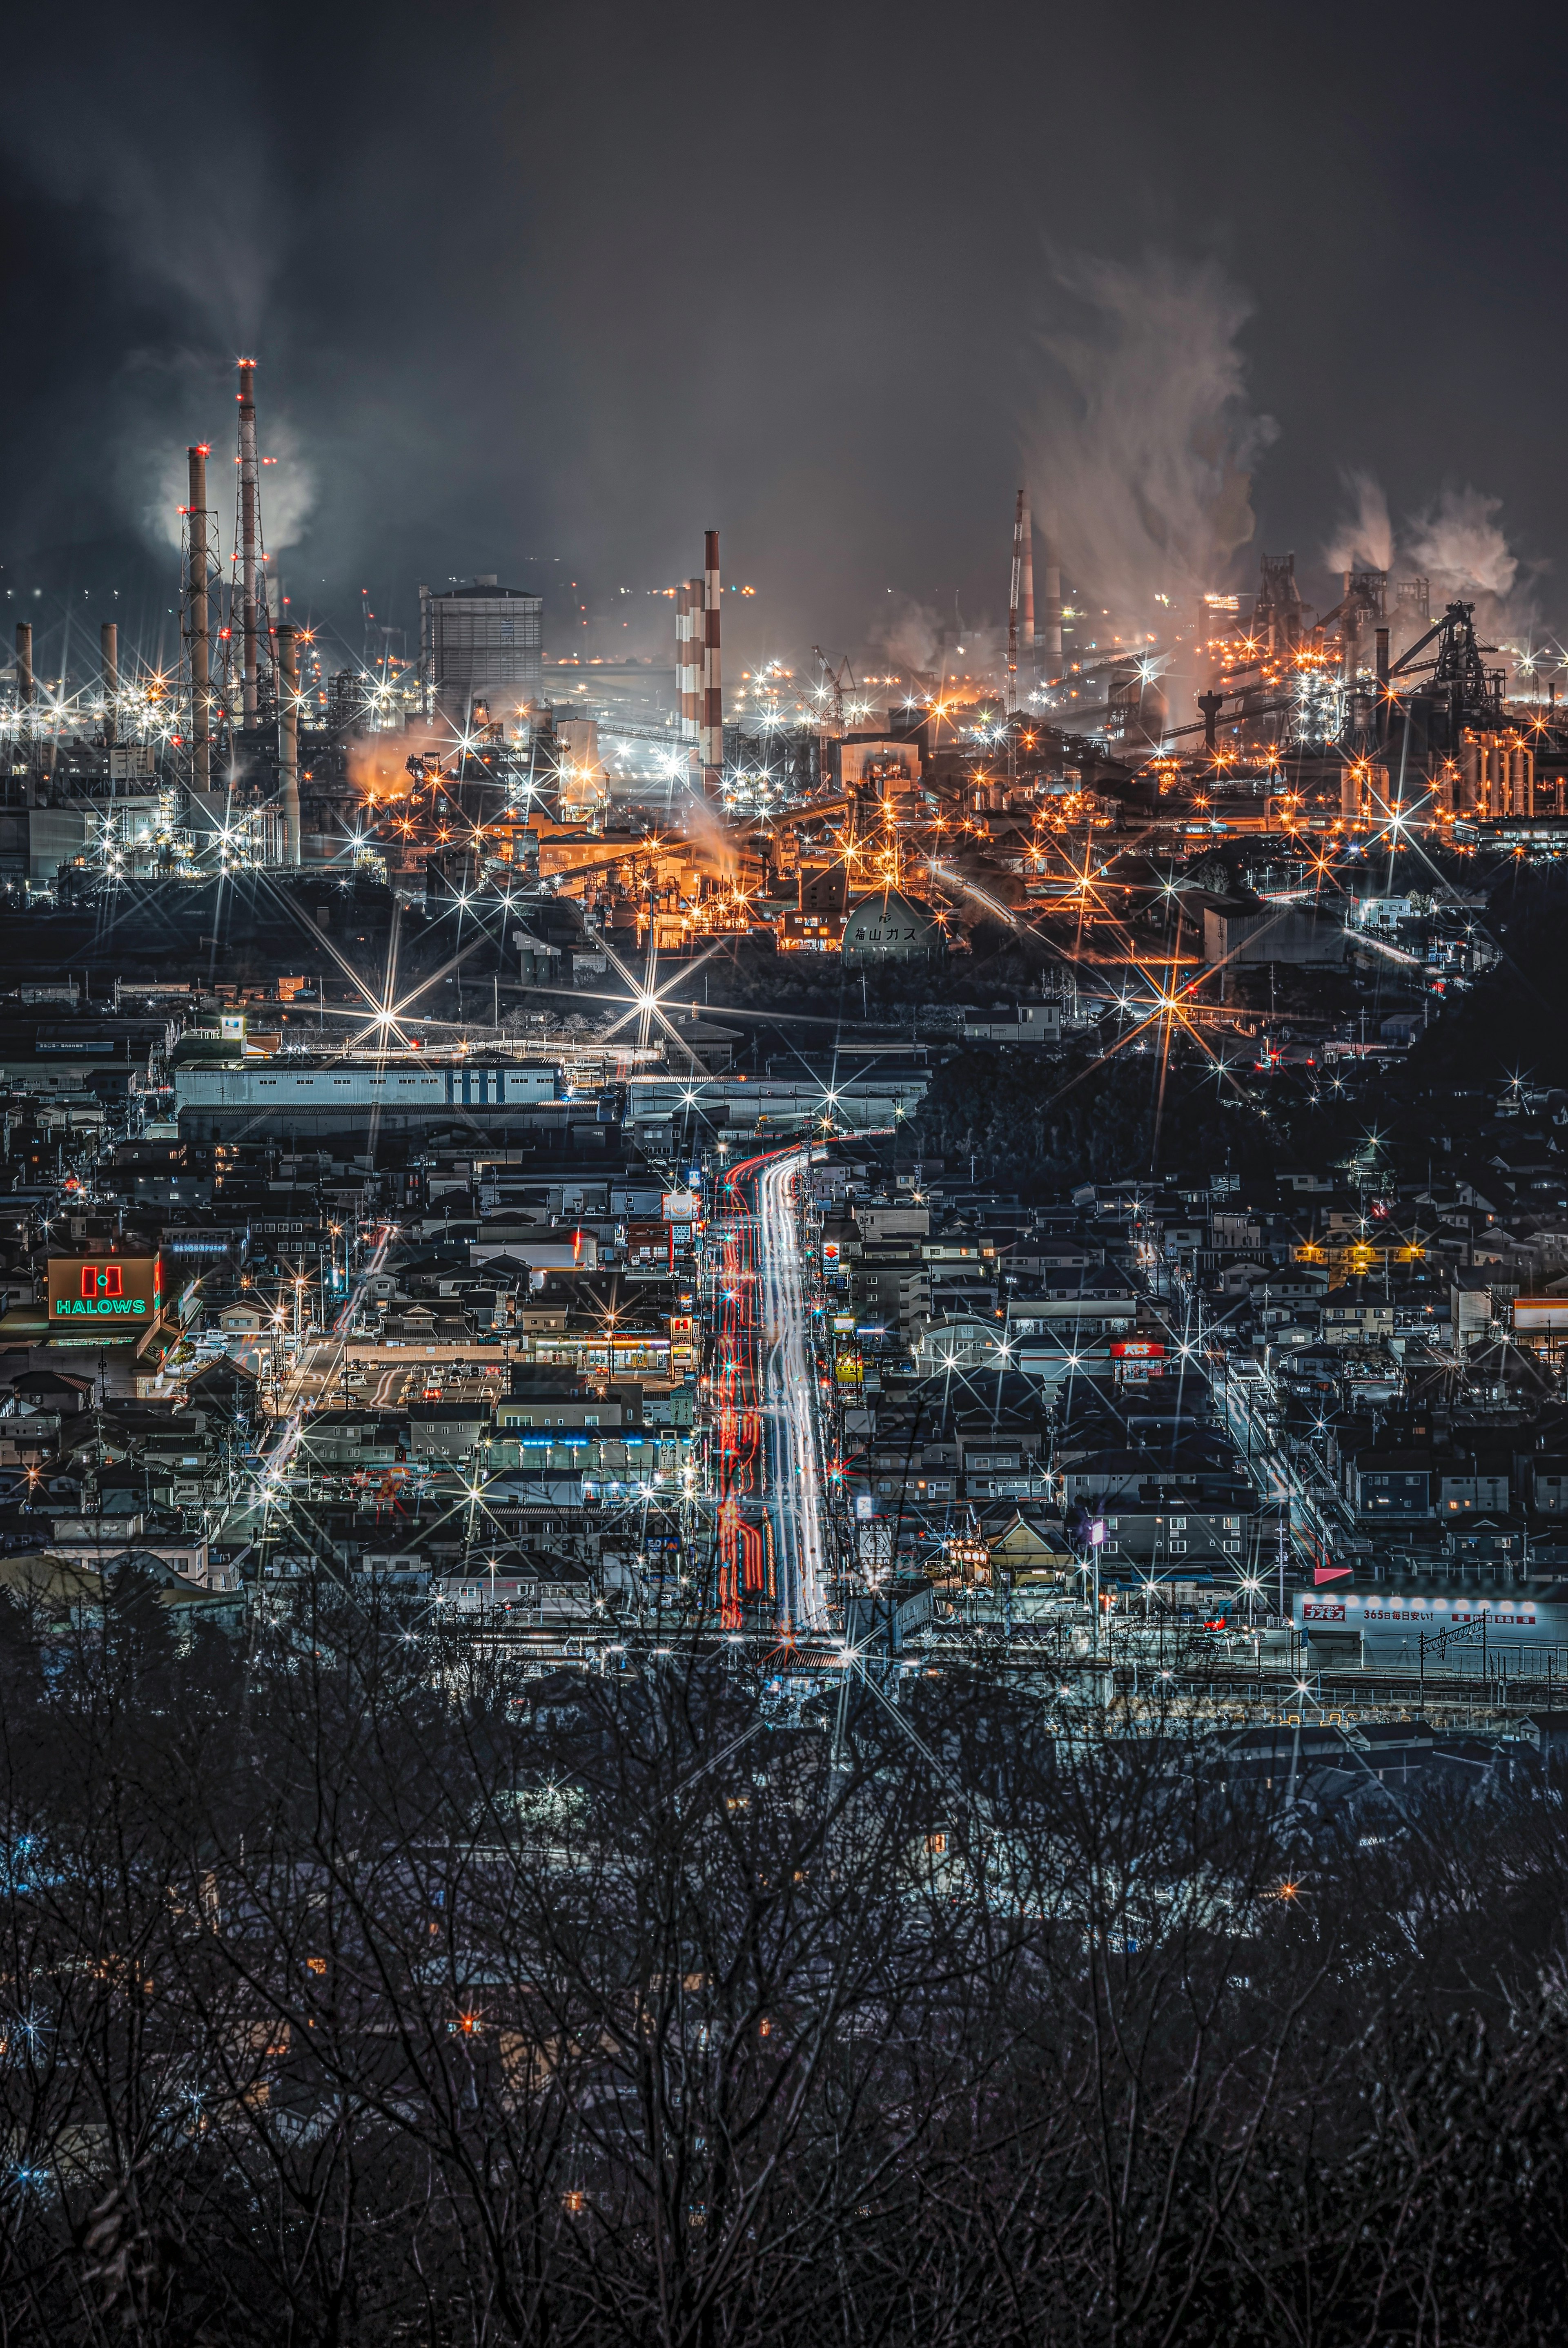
(483, 643)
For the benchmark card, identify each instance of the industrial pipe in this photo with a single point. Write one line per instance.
(250, 547)
(109, 657)
(289, 738)
(26, 693)
(197, 626)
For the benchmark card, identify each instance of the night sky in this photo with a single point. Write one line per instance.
(545, 294)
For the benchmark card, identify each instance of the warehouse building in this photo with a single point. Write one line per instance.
(328, 1097)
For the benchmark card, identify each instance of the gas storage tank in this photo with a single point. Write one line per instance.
(891, 927)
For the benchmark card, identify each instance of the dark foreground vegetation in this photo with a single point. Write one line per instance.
(355, 1992)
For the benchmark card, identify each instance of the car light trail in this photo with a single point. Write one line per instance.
(772, 1512)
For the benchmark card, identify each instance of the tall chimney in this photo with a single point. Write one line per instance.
(694, 660)
(25, 691)
(289, 738)
(1381, 639)
(1030, 642)
(713, 675)
(108, 653)
(1013, 591)
(250, 541)
(197, 627)
(688, 601)
(1053, 654)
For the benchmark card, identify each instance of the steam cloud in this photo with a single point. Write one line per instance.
(911, 637)
(161, 487)
(927, 648)
(204, 259)
(204, 248)
(1141, 459)
(1365, 540)
(1459, 545)
(1457, 542)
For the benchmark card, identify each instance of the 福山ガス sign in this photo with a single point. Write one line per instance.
(102, 1292)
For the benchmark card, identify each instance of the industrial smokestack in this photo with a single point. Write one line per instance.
(250, 541)
(1054, 655)
(1382, 641)
(108, 655)
(1014, 589)
(289, 738)
(197, 626)
(712, 674)
(689, 660)
(26, 693)
(1030, 642)
(697, 662)
(696, 637)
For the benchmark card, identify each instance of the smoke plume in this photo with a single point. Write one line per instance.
(1365, 539)
(288, 487)
(212, 245)
(911, 636)
(929, 651)
(155, 480)
(1459, 545)
(1141, 457)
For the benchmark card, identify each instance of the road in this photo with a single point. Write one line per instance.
(1241, 1388)
(1312, 1529)
(315, 1378)
(769, 1477)
(795, 1486)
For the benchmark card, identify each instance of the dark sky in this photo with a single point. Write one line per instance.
(545, 294)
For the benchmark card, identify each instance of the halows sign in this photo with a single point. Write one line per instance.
(102, 1292)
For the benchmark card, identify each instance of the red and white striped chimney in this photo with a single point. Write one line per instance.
(695, 663)
(682, 649)
(713, 675)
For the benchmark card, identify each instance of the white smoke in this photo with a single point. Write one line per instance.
(911, 637)
(201, 239)
(166, 493)
(156, 484)
(289, 490)
(929, 652)
(1458, 544)
(1365, 539)
(1140, 458)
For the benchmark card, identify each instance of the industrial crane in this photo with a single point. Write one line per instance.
(836, 676)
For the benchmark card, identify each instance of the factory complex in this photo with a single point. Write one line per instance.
(452, 1105)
